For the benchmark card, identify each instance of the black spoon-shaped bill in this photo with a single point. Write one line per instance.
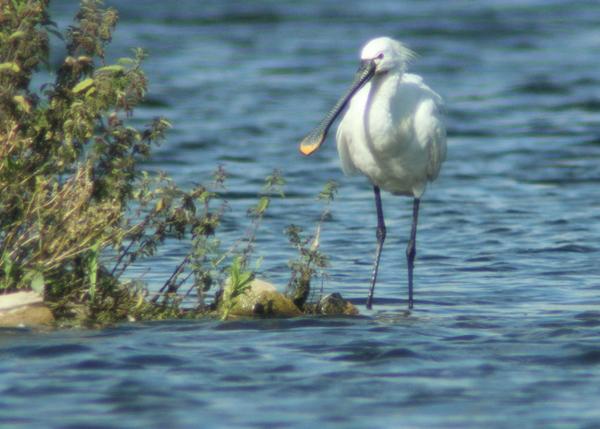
(316, 137)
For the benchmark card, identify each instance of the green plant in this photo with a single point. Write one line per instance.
(240, 276)
(239, 281)
(69, 167)
(77, 210)
(311, 261)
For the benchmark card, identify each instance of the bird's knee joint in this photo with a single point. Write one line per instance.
(380, 233)
(411, 250)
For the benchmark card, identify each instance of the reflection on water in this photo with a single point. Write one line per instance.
(507, 281)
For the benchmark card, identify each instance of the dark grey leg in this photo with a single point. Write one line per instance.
(411, 250)
(380, 239)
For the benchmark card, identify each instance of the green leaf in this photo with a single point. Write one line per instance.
(13, 67)
(38, 282)
(22, 103)
(234, 271)
(240, 279)
(262, 205)
(239, 282)
(125, 61)
(7, 266)
(16, 35)
(92, 269)
(329, 191)
(115, 68)
(164, 123)
(83, 85)
(18, 5)
(274, 183)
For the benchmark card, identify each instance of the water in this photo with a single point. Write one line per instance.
(506, 328)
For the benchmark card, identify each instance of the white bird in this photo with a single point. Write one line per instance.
(393, 132)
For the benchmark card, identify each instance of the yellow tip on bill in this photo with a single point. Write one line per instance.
(308, 149)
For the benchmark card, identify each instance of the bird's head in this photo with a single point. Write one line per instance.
(386, 54)
(379, 56)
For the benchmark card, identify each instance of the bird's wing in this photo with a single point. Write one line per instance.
(432, 133)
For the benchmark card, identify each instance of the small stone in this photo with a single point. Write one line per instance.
(335, 305)
(24, 308)
(262, 299)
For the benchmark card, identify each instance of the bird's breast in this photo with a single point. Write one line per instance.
(377, 135)
(379, 120)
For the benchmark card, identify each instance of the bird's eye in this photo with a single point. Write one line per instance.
(380, 56)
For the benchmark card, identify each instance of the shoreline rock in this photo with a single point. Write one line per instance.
(334, 304)
(262, 299)
(24, 309)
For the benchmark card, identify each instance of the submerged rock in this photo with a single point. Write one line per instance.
(261, 299)
(335, 305)
(24, 309)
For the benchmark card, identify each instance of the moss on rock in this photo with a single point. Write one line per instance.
(261, 299)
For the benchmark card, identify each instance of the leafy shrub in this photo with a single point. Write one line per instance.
(311, 261)
(69, 166)
(76, 210)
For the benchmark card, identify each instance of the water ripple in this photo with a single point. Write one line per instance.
(505, 328)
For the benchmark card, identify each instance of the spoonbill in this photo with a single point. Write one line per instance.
(392, 132)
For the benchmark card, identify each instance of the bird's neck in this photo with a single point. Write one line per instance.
(389, 77)
(383, 85)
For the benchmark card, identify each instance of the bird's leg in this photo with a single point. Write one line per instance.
(411, 250)
(380, 234)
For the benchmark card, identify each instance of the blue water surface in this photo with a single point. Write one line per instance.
(506, 327)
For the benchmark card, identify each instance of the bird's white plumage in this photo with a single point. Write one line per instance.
(393, 130)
